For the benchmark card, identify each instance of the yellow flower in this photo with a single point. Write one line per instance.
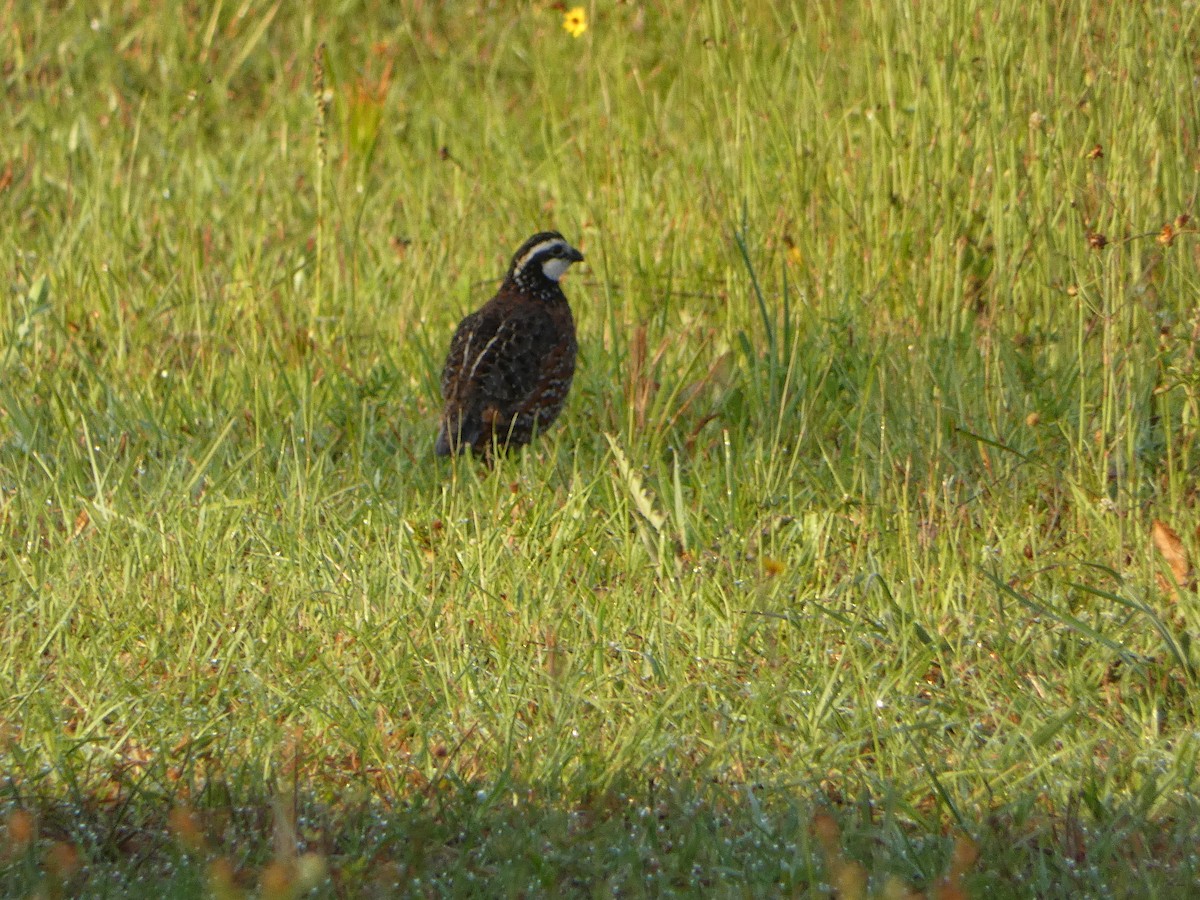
(575, 21)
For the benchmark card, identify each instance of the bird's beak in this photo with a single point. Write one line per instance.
(575, 255)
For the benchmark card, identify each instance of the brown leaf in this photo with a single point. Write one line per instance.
(966, 854)
(22, 831)
(850, 879)
(828, 834)
(185, 825)
(62, 860)
(277, 879)
(81, 523)
(1167, 542)
(640, 386)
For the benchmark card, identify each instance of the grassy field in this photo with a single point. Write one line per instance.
(859, 560)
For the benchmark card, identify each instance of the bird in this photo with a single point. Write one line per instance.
(511, 362)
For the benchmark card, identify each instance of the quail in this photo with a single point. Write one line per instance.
(511, 361)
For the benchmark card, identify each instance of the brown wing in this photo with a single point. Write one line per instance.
(460, 345)
(497, 357)
(494, 365)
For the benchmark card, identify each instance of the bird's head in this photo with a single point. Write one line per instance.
(544, 257)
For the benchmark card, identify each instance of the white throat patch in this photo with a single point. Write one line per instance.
(554, 268)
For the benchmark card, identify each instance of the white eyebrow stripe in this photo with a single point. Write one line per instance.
(535, 250)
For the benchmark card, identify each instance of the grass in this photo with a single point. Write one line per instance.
(841, 571)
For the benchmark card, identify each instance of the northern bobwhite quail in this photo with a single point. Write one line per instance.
(512, 360)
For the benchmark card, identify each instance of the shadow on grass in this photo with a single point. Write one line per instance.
(647, 835)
